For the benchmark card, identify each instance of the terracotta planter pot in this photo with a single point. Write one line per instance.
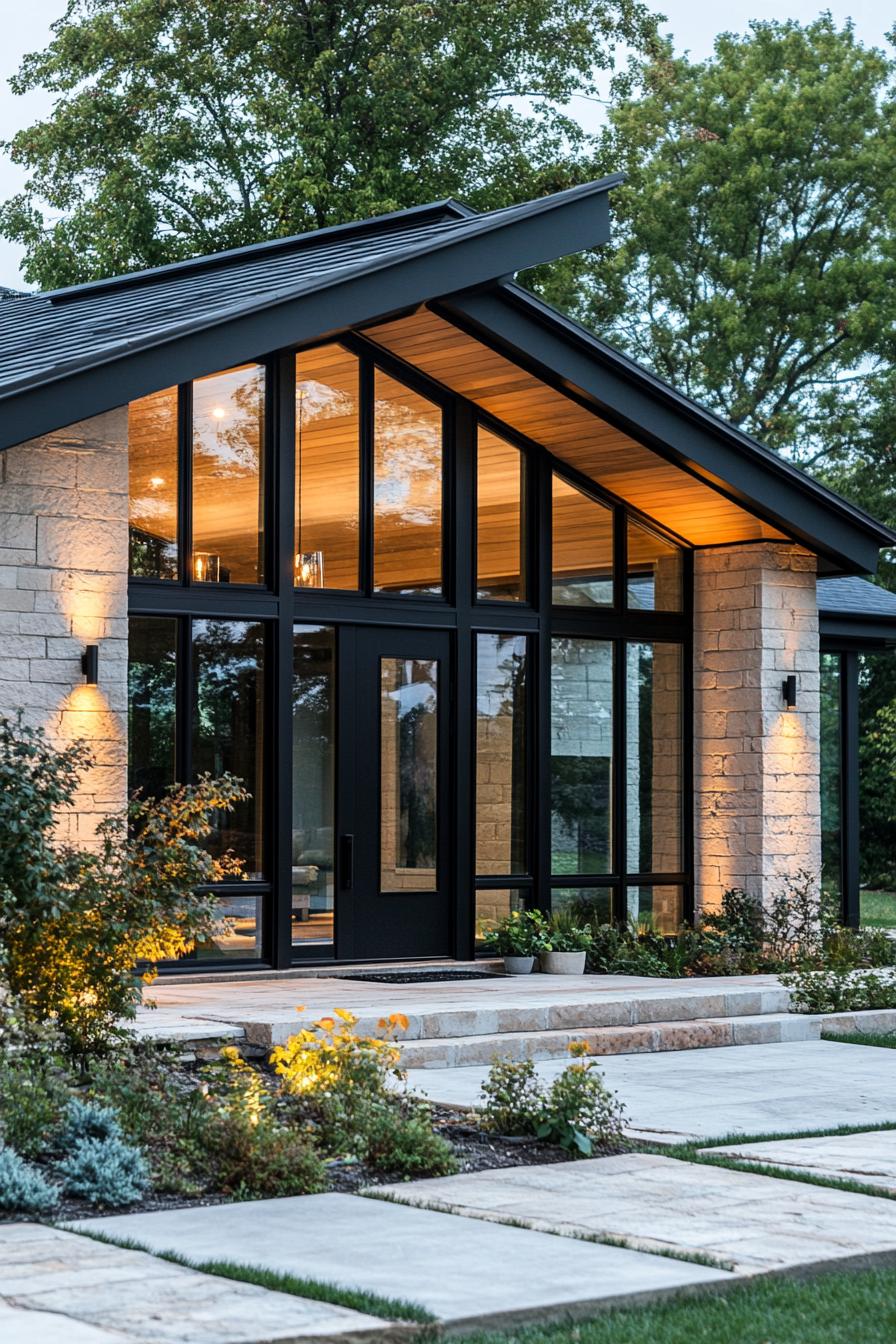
(518, 965)
(562, 963)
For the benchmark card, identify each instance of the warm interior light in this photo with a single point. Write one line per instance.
(156, 481)
(789, 691)
(309, 569)
(219, 412)
(206, 567)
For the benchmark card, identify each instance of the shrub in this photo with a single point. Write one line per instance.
(264, 1160)
(839, 989)
(87, 1120)
(24, 1189)
(513, 1098)
(76, 925)
(34, 1081)
(518, 934)
(106, 1171)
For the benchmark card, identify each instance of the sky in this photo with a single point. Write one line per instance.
(27, 28)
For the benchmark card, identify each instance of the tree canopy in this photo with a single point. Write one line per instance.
(187, 126)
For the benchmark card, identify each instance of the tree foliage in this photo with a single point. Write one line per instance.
(753, 265)
(187, 126)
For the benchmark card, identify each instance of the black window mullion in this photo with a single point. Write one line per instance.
(619, 858)
(185, 482)
(278, 673)
(366, 435)
(461, 576)
(540, 682)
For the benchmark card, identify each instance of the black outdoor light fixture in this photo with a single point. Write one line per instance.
(789, 687)
(90, 663)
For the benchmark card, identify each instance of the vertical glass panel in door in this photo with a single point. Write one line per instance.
(327, 469)
(313, 783)
(581, 548)
(228, 477)
(653, 757)
(499, 519)
(500, 754)
(152, 687)
(654, 571)
(831, 766)
(152, 485)
(409, 692)
(407, 491)
(228, 730)
(581, 755)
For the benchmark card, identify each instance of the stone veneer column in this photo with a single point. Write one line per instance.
(757, 809)
(64, 584)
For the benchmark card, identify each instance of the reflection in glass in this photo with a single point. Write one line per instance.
(500, 754)
(228, 476)
(313, 775)
(581, 548)
(408, 773)
(236, 932)
(653, 757)
(581, 755)
(152, 485)
(654, 571)
(228, 728)
(658, 908)
(877, 790)
(831, 764)
(327, 469)
(152, 680)
(588, 905)
(493, 906)
(499, 519)
(407, 490)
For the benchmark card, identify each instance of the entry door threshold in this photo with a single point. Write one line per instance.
(335, 970)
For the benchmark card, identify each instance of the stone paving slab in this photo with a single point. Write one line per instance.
(755, 1222)
(869, 1157)
(74, 1290)
(678, 1096)
(465, 1272)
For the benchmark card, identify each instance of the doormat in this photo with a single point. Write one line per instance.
(421, 977)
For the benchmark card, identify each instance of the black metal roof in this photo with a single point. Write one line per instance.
(850, 596)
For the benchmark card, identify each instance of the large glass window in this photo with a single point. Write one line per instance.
(500, 511)
(501, 795)
(653, 757)
(313, 783)
(152, 688)
(654, 571)
(237, 931)
(152, 485)
(228, 476)
(581, 755)
(831, 783)
(582, 548)
(407, 491)
(228, 729)
(589, 905)
(659, 908)
(877, 789)
(493, 905)
(327, 469)
(408, 774)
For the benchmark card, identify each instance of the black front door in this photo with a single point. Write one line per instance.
(394, 869)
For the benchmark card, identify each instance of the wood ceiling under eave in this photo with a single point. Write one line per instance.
(676, 499)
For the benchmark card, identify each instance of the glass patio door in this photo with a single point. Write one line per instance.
(393, 854)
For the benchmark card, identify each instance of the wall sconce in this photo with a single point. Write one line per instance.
(789, 690)
(309, 569)
(90, 664)
(206, 567)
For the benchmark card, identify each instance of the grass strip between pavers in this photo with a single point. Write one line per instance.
(857, 1307)
(887, 1039)
(371, 1304)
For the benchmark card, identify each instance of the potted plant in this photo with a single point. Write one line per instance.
(516, 937)
(563, 946)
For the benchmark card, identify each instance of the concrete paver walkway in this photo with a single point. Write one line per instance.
(59, 1288)
(869, 1157)
(695, 1094)
(753, 1221)
(463, 1271)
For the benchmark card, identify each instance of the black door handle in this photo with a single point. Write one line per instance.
(347, 862)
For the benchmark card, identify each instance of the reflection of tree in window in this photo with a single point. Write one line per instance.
(581, 752)
(151, 703)
(501, 754)
(416, 781)
(407, 490)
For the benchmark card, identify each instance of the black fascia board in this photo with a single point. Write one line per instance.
(563, 354)
(518, 237)
(857, 630)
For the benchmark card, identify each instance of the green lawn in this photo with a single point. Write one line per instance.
(878, 908)
(884, 1038)
(829, 1309)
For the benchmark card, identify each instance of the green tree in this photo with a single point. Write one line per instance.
(753, 265)
(187, 126)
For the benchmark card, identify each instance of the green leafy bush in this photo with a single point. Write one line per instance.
(34, 1081)
(77, 926)
(513, 1098)
(839, 989)
(578, 1112)
(518, 934)
(108, 1172)
(23, 1188)
(565, 933)
(265, 1160)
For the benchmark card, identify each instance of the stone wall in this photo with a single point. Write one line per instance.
(756, 764)
(63, 585)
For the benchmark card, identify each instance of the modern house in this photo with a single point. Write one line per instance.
(482, 612)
